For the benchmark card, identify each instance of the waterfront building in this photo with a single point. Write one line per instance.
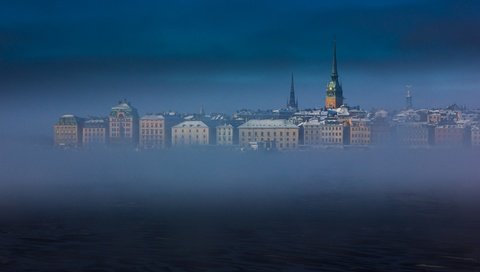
(334, 98)
(68, 131)
(95, 131)
(225, 134)
(450, 135)
(414, 134)
(359, 132)
(190, 133)
(316, 133)
(380, 129)
(276, 134)
(152, 132)
(123, 124)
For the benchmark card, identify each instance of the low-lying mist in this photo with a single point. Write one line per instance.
(40, 175)
(199, 210)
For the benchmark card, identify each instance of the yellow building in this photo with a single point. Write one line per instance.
(68, 131)
(323, 133)
(123, 124)
(190, 133)
(359, 132)
(152, 132)
(95, 132)
(279, 134)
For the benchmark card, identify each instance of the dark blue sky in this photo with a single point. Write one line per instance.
(82, 56)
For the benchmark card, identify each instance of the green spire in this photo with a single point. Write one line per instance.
(334, 63)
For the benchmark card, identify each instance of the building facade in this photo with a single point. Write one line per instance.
(225, 134)
(359, 132)
(123, 124)
(414, 134)
(152, 132)
(317, 133)
(95, 132)
(450, 135)
(68, 131)
(190, 133)
(276, 134)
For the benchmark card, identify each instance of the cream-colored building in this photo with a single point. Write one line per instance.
(412, 134)
(123, 124)
(317, 132)
(152, 132)
(279, 134)
(359, 132)
(190, 133)
(225, 134)
(475, 136)
(95, 132)
(68, 131)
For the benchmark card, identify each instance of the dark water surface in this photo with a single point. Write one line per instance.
(414, 210)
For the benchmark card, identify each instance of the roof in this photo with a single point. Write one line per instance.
(191, 124)
(95, 123)
(124, 107)
(268, 123)
(68, 120)
(152, 117)
(225, 126)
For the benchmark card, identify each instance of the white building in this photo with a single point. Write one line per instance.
(225, 134)
(279, 134)
(190, 133)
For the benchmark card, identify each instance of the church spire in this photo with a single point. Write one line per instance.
(334, 97)
(334, 62)
(291, 101)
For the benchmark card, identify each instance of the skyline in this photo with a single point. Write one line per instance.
(83, 57)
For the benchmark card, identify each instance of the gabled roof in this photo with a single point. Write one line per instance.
(268, 123)
(191, 124)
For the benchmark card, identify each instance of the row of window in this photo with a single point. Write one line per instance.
(151, 125)
(244, 139)
(189, 131)
(323, 128)
(93, 134)
(152, 131)
(268, 133)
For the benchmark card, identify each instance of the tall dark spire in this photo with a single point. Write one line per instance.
(334, 62)
(291, 101)
(334, 97)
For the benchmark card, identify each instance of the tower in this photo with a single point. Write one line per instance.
(408, 98)
(334, 98)
(292, 103)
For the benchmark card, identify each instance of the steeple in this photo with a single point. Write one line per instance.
(334, 98)
(291, 103)
(334, 62)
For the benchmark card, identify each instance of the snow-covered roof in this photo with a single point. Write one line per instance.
(152, 117)
(191, 124)
(268, 123)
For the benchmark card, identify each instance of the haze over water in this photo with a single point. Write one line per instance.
(191, 210)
